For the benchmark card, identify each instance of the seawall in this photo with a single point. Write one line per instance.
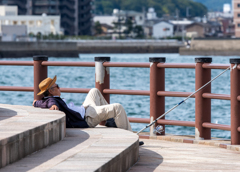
(207, 47)
(73, 49)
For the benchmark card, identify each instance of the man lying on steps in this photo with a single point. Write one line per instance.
(94, 110)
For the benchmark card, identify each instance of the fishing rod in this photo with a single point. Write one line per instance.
(160, 128)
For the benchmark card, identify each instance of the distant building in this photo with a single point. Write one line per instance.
(136, 17)
(76, 15)
(199, 30)
(13, 33)
(162, 29)
(109, 20)
(8, 10)
(236, 14)
(226, 8)
(158, 28)
(42, 24)
(179, 26)
(107, 29)
(115, 25)
(228, 27)
(214, 15)
(151, 14)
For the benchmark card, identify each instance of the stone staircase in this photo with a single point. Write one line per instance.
(33, 139)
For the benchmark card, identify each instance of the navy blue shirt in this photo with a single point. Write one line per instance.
(73, 118)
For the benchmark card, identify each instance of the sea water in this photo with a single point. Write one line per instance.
(182, 80)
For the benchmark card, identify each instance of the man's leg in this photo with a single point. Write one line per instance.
(96, 114)
(99, 110)
(94, 98)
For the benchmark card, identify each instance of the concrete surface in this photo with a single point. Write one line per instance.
(217, 142)
(167, 156)
(73, 49)
(25, 129)
(212, 47)
(92, 149)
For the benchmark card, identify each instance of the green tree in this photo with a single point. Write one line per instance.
(39, 35)
(162, 7)
(139, 31)
(31, 34)
(129, 26)
(98, 28)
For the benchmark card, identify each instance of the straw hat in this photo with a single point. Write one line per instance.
(46, 84)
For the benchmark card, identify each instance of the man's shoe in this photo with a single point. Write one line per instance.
(111, 123)
(141, 143)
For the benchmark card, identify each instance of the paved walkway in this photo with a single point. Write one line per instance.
(161, 155)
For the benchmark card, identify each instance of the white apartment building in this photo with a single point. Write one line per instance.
(162, 29)
(35, 24)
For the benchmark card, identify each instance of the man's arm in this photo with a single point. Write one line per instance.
(34, 102)
(38, 103)
(54, 107)
(50, 103)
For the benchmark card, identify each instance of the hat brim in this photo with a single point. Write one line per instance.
(50, 85)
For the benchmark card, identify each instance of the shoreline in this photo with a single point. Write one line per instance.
(73, 49)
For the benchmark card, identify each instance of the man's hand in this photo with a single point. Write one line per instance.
(34, 102)
(54, 107)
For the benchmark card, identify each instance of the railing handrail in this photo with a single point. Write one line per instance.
(176, 65)
(119, 64)
(61, 63)
(17, 63)
(116, 64)
(107, 91)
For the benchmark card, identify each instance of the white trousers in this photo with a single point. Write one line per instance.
(98, 110)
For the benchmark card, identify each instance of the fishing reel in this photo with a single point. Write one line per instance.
(158, 129)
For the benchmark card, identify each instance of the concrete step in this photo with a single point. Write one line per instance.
(25, 129)
(91, 149)
(41, 134)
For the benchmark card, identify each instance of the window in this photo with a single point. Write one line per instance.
(31, 22)
(10, 13)
(166, 29)
(52, 22)
(23, 22)
(14, 22)
(238, 5)
(238, 24)
(39, 23)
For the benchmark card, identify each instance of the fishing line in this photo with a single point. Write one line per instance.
(149, 125)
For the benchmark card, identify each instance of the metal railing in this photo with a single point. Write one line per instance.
(157, 91)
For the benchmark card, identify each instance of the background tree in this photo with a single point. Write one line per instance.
(98, 28)
(214, 5)
(129, 26)
(162, 7)
(138, 30)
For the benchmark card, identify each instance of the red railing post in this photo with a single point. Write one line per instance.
(102, 80)
(40, 73)
(235, 104)
(202, 105)
(157, 83)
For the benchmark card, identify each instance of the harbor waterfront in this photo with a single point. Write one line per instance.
(71, 48)
(130, 79)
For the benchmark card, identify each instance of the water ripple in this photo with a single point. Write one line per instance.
(128, 79)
